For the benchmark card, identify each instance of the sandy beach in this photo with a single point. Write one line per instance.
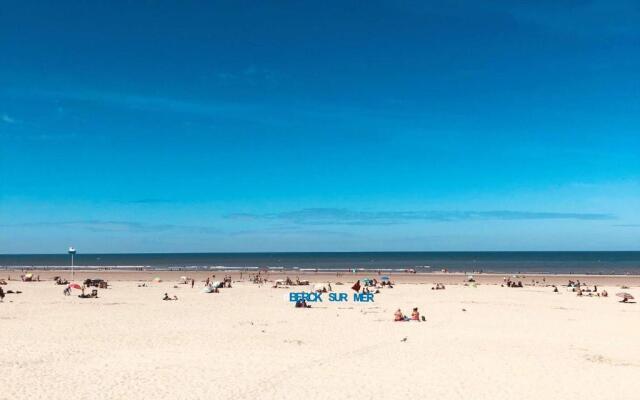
(248, 342)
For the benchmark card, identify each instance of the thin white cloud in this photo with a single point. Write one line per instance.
(7, 119)
(339, 216)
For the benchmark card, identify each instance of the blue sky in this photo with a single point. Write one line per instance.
(140, 126)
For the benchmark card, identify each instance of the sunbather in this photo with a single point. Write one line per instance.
(302, 304)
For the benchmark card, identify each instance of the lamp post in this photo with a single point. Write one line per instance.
(72, 251)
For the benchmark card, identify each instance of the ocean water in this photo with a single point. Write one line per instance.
(622, 262)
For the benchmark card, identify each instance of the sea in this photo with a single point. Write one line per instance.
(552, 262)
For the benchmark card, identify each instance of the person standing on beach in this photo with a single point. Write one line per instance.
(193, 282)
(1, 295)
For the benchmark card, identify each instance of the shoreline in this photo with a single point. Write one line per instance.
(450, 278)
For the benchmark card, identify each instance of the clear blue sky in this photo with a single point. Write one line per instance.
(157, 126)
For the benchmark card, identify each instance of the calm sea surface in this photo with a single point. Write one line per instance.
(622, 262)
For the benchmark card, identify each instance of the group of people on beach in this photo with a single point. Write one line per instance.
(512, 284)
(581, 289)
(3, 293)
(415, 316)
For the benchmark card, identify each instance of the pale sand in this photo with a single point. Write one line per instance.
(249, 343)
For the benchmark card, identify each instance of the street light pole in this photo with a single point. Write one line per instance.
(72, 251)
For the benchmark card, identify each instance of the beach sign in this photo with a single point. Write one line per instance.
(333, 297)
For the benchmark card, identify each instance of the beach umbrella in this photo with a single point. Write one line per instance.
(321, 286)
(75, 286)
(625, 296)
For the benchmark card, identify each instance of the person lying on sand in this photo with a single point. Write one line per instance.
(166, 297)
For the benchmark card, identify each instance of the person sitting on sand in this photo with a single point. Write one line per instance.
(166, 297)
(398, 316)
(302, 304)
(67, 291)
(604, 293)
(415, 315)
